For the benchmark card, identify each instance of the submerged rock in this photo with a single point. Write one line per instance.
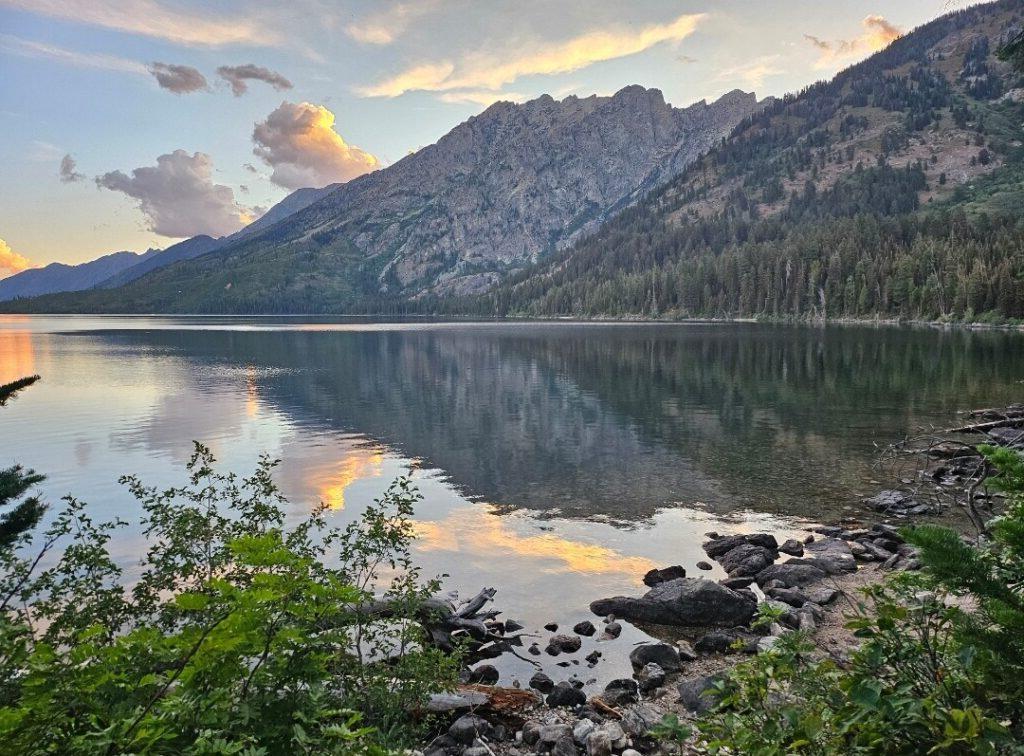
(685, 602)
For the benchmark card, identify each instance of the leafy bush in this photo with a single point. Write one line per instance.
(940, 668)
(238, 635)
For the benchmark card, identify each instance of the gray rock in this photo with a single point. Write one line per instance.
(653, 577)
(687, 602)
(767, 540)
(638, 721)
(702, 565)
(621, 691)
(721, 546)
(791, 596)
(792, 547)
(822, 596)
(790, 574)
(564, 747)
(586, 627)
(599, 744)
(534, 649)
(613, 629)
(651, 677)
(686, 652)
(726, 641)
(615, 734)
(531, 733)
(485, 673)
(736, 583)
(468, 727)
(746, 559)
(662, 654)
(568, 644)
(631, 752)
(542, 682)
(831, 555)
(766, 643)
(696, 693)
(582, 731)
(564, 694)
(552, 733)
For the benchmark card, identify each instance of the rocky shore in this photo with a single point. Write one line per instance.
(699, 627)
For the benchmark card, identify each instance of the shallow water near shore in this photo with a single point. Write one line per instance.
(558, 461)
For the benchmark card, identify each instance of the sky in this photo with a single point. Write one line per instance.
(131, 124)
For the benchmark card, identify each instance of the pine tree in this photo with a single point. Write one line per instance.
(15, 481)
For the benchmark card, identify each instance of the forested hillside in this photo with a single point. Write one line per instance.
(895, 189)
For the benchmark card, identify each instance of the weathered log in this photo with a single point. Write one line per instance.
(1009, 422)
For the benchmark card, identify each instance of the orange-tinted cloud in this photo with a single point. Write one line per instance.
(11, 262)
(299, 142)
(491, 70)
(878, 33)
(385, 27)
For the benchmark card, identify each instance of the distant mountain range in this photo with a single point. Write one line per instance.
(501, 191)
(894, 189)
(120, 268)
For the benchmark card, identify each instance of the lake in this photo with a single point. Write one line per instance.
(558, 461)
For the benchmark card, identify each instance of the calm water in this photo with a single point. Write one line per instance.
(558, 461)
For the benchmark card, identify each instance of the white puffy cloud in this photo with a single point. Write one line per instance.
(386, 26)
(11, 262)
(177, 79)
(178, 196)
(299, 142)
(68, 170)
(237, 76)
(878, 33)
(492, 70)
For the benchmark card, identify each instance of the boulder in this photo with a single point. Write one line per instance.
(832, 555)
(790, 574)
(737, 583)
(485, 674)
(568, 644)
(586, 627)
(822, 596)
(767, 540)
(612, 629)
(662, 654)
(542, 682)
(653, 577)
(686, 652)
(684, 602)
(720, 546)
(638, 721)
(696, 693)
(599, 744)
(792, 547)
(791, 596)
(702, 565)
(746, 560)
(468, 728)
(565, 694)
(621, 691)
(726, 641)
(651, 677)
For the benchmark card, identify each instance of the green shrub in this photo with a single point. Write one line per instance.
(238, 635)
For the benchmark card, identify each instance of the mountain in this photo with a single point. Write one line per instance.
(500, 191)
(893, 190)
(185, 250)
(297, 200)
(60, 277)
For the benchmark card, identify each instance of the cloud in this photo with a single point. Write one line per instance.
(481, 97)
(29, 49)
(177, 79)
(489, 70)
(751, 75)
(299, 142)
(236, 76)
(178, 196)
(385, 27)
(152, 19)
(68, 174)
(11, 262)
(878, 33)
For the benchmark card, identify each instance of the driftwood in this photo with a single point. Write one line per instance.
(1006, 422)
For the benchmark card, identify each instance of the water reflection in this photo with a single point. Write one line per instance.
(558, 462)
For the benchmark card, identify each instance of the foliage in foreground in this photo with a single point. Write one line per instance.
(237, 635)
(17, 515)
(940, 668)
